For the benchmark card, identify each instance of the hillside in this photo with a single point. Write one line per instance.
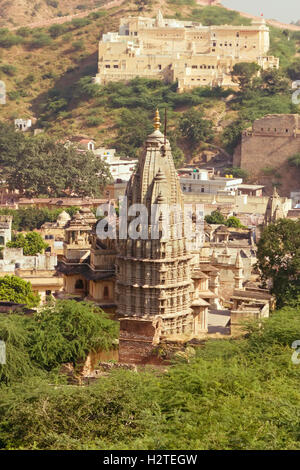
(45, 59)
(23, 12)
(48, 74)
(39, 13)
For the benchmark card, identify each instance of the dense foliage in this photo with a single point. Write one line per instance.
(30, 218)
(243, 74)
(279, 259)
(215, 15)
(15, 289)
(68, 331)
(63, 332)
(234, 394)
(15, 332)
(216, 217)
(53, 69)
(41, 166)
(294, 160)
(195, 128)
(32, 243)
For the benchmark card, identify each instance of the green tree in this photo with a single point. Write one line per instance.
(194, 128)
(40, 39)
(278, 256)
(293, 70)
(56, 30)
(234, 222)
(15, 289)
(40, 166)
(68, 331)
(215, 218)
(236, 172)
(133, 128)
(243, 74)
(274, 81)
(32, 243)
(14, 331)
(150, 410)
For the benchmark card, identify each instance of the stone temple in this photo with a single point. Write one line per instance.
(154, 275)
(166, 286)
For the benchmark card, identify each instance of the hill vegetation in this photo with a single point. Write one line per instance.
(22, 12)
(230, 394)
(48, 73)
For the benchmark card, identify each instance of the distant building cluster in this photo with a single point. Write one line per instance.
(121, 169)
(203, 181)
(184, 51)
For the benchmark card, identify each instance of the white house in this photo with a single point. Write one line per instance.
(201, 181)
(121, 169)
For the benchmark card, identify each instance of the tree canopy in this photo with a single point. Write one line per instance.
(278, 256)
(243, 73)
(215, 218)
(234, 222)
(195, 128)
(15, 289)
(231, 394)
(31, 218)
(32, 243)
(41, 166)
(68, 331)
(294, 160)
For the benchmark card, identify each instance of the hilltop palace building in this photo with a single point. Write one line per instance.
(186, 51)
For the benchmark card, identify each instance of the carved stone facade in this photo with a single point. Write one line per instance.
(162, 288)
(154, 275)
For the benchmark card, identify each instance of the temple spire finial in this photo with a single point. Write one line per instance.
(156, 121)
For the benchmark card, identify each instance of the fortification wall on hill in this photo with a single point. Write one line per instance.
(266, 149)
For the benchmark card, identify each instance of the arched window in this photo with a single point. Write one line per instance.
(79, 284)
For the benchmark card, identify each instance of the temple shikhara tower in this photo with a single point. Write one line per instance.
(154, 283)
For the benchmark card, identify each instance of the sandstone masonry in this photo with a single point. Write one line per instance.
(183, 51)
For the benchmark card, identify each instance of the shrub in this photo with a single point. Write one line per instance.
(92, 121)
(8, 39)
(40, 40)
(15, 289)
(52, 3)
(32, 243)
(78, 45)
(68, 331)
(57, 30)
(80, 22)
(295, 160)
(8, 69)
(215, 218)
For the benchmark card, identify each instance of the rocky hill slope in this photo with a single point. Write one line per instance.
(21, 12)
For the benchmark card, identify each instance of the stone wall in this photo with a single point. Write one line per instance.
(138, 339)
(241, 204)
(269, 145)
